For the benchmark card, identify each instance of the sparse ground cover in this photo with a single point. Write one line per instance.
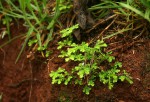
(80, 50)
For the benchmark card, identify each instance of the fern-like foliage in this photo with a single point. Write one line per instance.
(90, 59)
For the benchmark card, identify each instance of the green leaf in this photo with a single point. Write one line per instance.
(122, 78)
(58, 76)
(127, 77)
(68, 80)
(110, 86)
(91, 83)
(118, 64)
(87, 70)
(48, 53)
(115, 79)
(87, 90)
(99, 44)
(81, 73)
(31, 42)
(117, 71)
(110, 58)
(77, 81)
(68, 31)
(67, 59)
(129, 80)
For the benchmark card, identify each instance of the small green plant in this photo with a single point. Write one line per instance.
(94, 64)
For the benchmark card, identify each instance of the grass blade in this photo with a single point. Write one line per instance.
(127, 6)
(114, 34)
(25, 42)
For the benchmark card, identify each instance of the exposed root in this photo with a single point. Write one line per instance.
(16, 85)
(101, 21)
(127, 45)
(31, 87)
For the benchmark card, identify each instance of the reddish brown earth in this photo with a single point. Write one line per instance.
(28, 80)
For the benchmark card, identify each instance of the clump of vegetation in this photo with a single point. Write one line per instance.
(94, 63)
(90, 59)
(37, 18)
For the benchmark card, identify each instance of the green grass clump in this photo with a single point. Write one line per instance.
(141, 7)
(37, 17)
